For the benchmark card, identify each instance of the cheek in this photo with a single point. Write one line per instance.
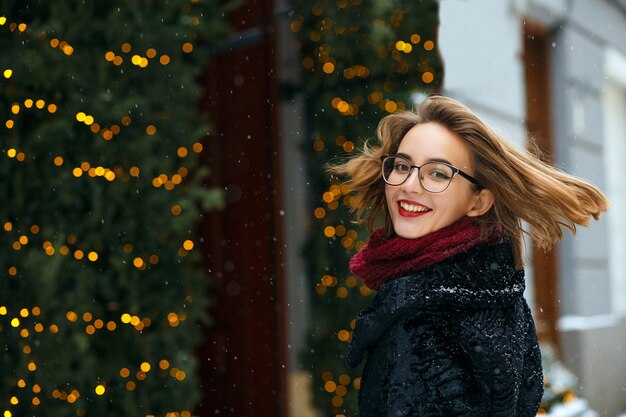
(389, 192)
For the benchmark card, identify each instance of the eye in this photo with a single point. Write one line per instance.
(401, 166)
(438, 172)
(440, 175)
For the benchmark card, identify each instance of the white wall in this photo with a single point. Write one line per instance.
(615, 155)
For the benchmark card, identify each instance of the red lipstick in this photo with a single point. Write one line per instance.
(406, 213)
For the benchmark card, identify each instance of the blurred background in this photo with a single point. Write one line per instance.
(171, 244)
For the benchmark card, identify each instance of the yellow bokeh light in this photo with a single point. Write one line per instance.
(348, 146)
(77, 172)
(15, 108)
(7, 73)
(319, 213)
(40, 104)
(24, 312)
(3, 311)
(71, 316)
(337, 401)
(330, 386)
(14, 400)
(145, 367)
(21, 27)
(100, 389)
(138, 262)
(93, 256)
(328, 196)
(15, 322)
(188, 244)
(125, 318)
(80, 116)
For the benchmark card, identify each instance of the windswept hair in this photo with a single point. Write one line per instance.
(525, 188)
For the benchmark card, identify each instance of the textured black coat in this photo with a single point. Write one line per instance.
(455, 339)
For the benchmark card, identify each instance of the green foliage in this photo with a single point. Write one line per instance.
(354, 73)
(68, 105)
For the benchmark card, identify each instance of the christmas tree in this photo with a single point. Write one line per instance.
(361, 60)
(101, 297)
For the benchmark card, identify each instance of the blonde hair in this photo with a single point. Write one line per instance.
(525, 188)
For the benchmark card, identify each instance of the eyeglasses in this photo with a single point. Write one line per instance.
(434, 177)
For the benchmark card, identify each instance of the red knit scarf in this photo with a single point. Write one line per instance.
(382, 259)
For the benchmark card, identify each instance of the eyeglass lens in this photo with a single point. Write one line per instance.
(433, 176)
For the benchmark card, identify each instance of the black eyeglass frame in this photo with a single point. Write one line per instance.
(454, 169)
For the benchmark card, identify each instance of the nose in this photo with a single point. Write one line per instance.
(413, 183)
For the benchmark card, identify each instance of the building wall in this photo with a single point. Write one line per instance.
(480, 41)
(593, 326)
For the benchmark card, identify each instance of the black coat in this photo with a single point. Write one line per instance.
(455, 339)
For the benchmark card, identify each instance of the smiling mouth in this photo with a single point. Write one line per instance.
(407, 209)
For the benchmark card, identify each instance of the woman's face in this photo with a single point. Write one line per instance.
(416, 212)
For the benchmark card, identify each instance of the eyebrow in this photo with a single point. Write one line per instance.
(445, 161)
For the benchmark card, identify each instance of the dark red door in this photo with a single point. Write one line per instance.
(243, 358)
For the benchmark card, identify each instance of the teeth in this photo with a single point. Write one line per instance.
(412, 208)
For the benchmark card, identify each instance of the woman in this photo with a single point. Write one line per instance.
(449, 332)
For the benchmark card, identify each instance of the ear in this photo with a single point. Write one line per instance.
(482, 203)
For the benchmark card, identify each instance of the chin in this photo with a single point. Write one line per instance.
(409, 233)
